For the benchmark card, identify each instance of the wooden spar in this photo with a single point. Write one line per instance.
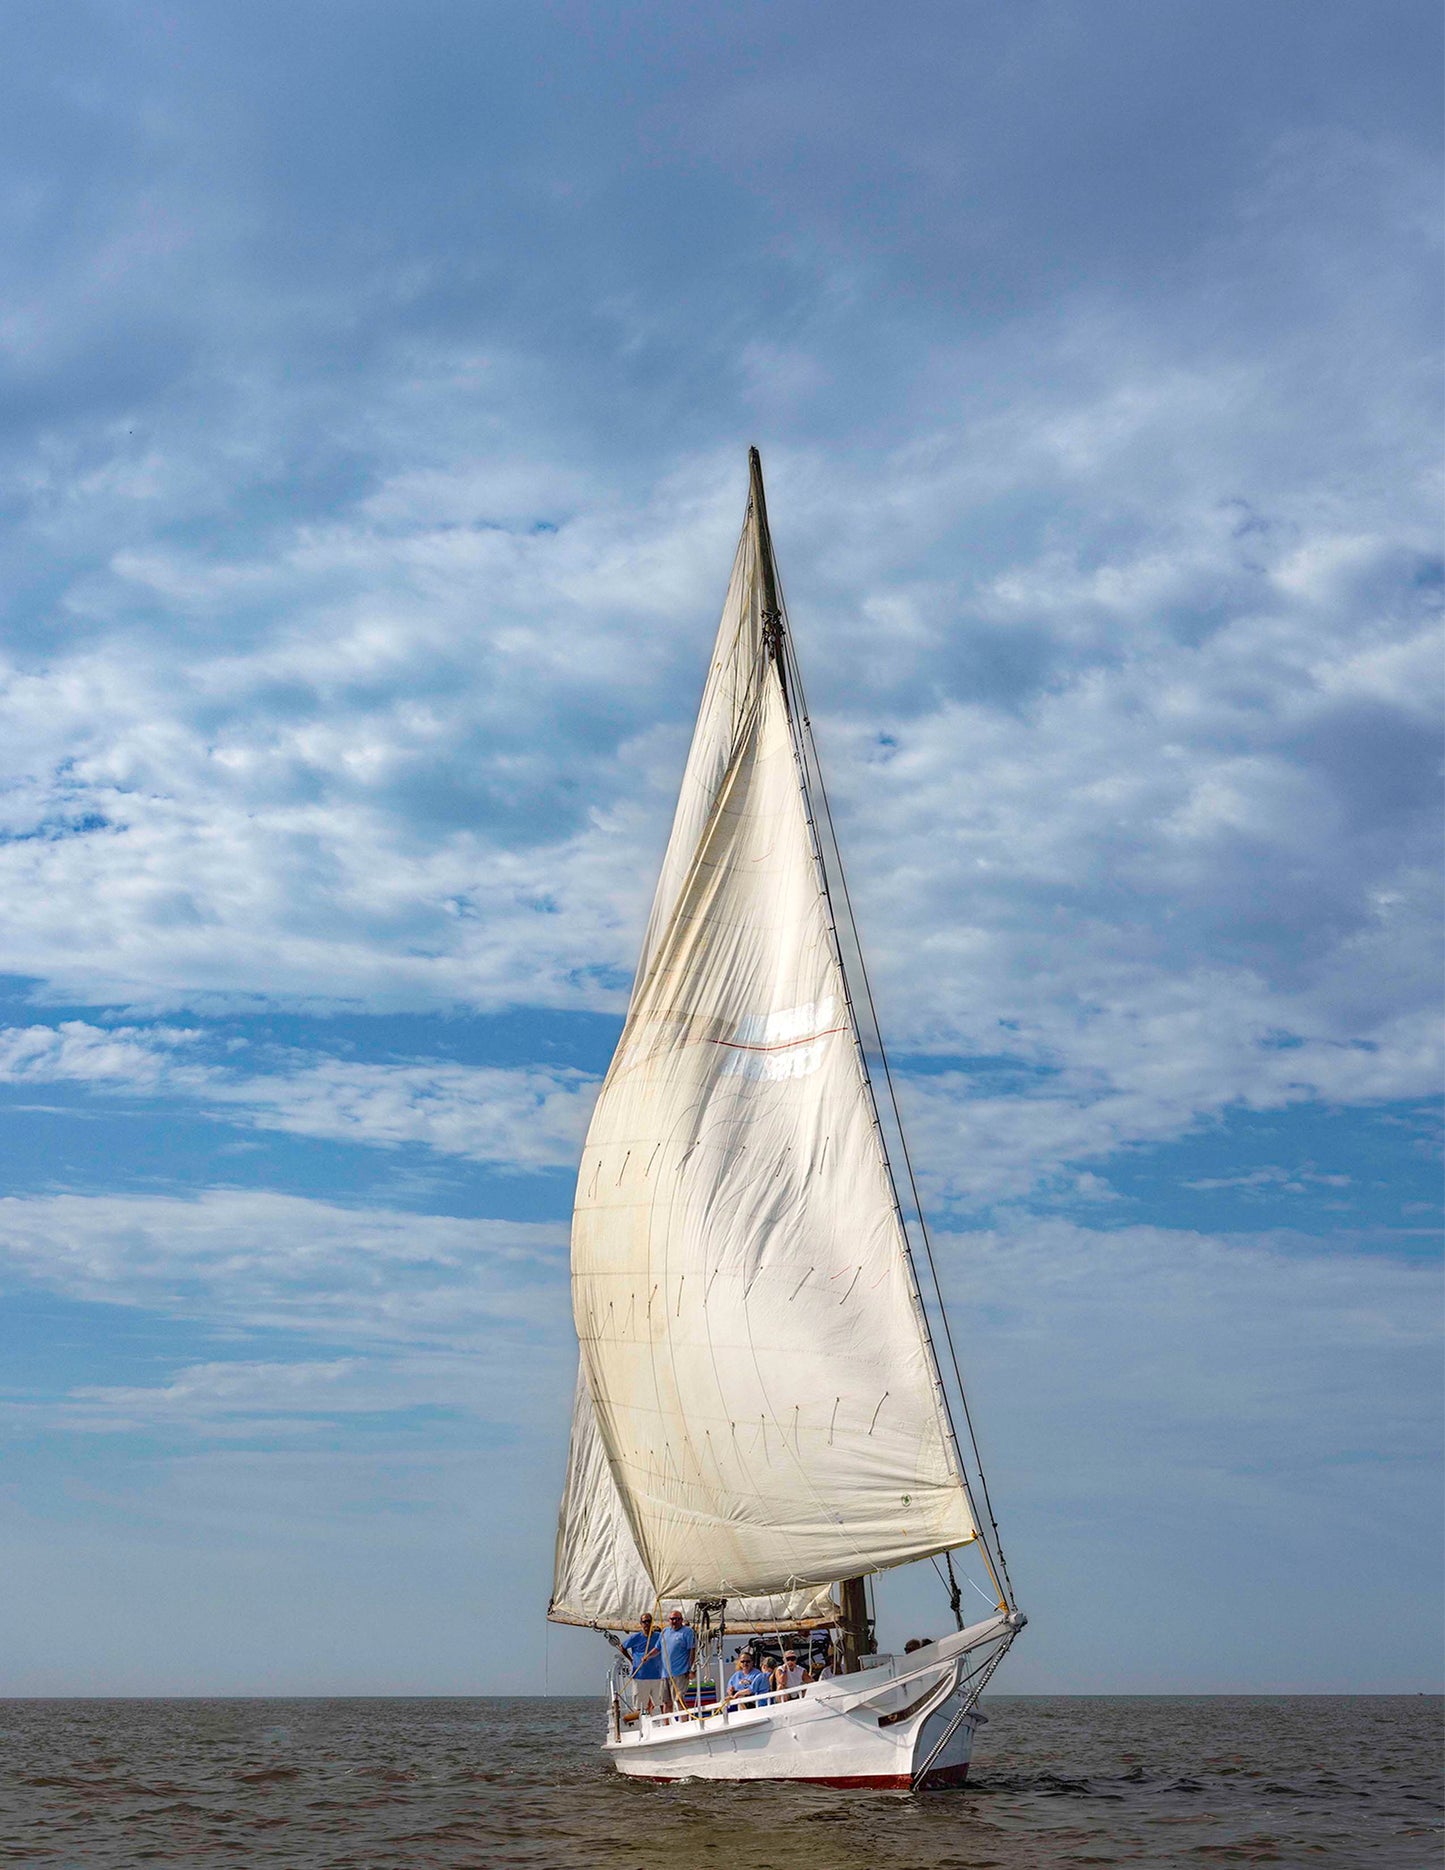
(772, 609)
(857, 1641)
(765, 538)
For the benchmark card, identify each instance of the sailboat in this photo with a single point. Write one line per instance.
(761, 1420)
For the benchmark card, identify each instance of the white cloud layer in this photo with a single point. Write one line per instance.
(1191, 821)
(524, 1118)
(233, 1259)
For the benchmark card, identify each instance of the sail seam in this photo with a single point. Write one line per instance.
(783, 1045)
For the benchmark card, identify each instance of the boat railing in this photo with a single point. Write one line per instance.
(734, 1704)
(843, 1692)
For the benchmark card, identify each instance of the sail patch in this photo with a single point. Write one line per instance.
(786, 1044)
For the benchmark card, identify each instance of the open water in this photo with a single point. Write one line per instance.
(490, 1784)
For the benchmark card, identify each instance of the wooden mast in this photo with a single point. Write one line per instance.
(772, 609)
(857, 1637)
(765, 540)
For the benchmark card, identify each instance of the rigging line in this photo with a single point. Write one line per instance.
(951, 1586)
(865, 1569)
(785, 657)
(955, 1594)
(801, 751)
(806, 738)
(877, 1034)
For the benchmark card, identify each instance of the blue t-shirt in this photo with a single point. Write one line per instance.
(678, 1649)
(749, 1682)
(645, 1653)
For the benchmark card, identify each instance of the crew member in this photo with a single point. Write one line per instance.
(644, 1652)
(679, 1651)
(747, 1678)
(788, 1674)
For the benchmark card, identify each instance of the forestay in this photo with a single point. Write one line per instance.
(767, 1408)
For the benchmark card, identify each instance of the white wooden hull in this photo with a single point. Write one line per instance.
(904, 1725)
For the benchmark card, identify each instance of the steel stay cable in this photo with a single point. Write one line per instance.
(893, 1102)
(782, 650)
(806, 738)
(777, 639)
(898, 1124)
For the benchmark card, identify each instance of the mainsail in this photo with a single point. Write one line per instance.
(759, 1411)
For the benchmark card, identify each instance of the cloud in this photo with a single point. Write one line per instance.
(1160, 786)
(1272, 1176)
(1172, 1334)
(523, 1118)
(213, 1399)
(240, 1258)
(127, 1058)
(1155, 1405)
(1193, 1309)
(1166, 1411)
(371, 459)
(414, 746)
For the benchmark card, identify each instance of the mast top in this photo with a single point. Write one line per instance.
(772, 609)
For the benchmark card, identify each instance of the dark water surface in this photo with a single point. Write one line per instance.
(443, 1784)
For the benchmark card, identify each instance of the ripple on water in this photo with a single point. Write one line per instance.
(504, 1785)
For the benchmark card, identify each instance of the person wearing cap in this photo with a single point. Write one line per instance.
(679, 1651)
(643, 1650)
(788, 1674)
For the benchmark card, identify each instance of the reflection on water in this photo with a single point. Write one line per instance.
(446, 1784)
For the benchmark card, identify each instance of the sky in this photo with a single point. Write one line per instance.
(375, 389)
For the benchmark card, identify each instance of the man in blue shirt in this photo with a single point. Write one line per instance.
(644, 1654)
(679, 1650)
